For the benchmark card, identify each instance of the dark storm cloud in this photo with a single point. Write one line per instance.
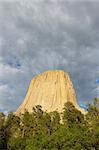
(40, 35)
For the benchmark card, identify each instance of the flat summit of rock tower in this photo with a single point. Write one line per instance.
(51, 89)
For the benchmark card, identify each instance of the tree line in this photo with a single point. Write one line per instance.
(39, 130)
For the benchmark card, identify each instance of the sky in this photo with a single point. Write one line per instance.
(40, 35)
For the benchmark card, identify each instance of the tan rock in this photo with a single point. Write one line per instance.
(51, 89)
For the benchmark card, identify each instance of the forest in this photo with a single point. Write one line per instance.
(39, 130)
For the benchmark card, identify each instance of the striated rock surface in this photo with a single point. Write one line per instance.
(51, 90)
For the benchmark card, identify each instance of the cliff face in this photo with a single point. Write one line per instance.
(51, 90)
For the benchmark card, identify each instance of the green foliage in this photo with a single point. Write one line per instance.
(71, 115)
(2, 119)
(92, 119)
(40, 130)
(16, 143)
(2, 140)
(3, 144)
(66, 138)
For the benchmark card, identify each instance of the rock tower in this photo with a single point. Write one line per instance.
(51, 89)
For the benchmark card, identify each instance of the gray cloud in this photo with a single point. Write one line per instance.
(38, 36)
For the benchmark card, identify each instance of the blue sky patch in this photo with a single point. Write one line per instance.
(14, 62)
(97, 81)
